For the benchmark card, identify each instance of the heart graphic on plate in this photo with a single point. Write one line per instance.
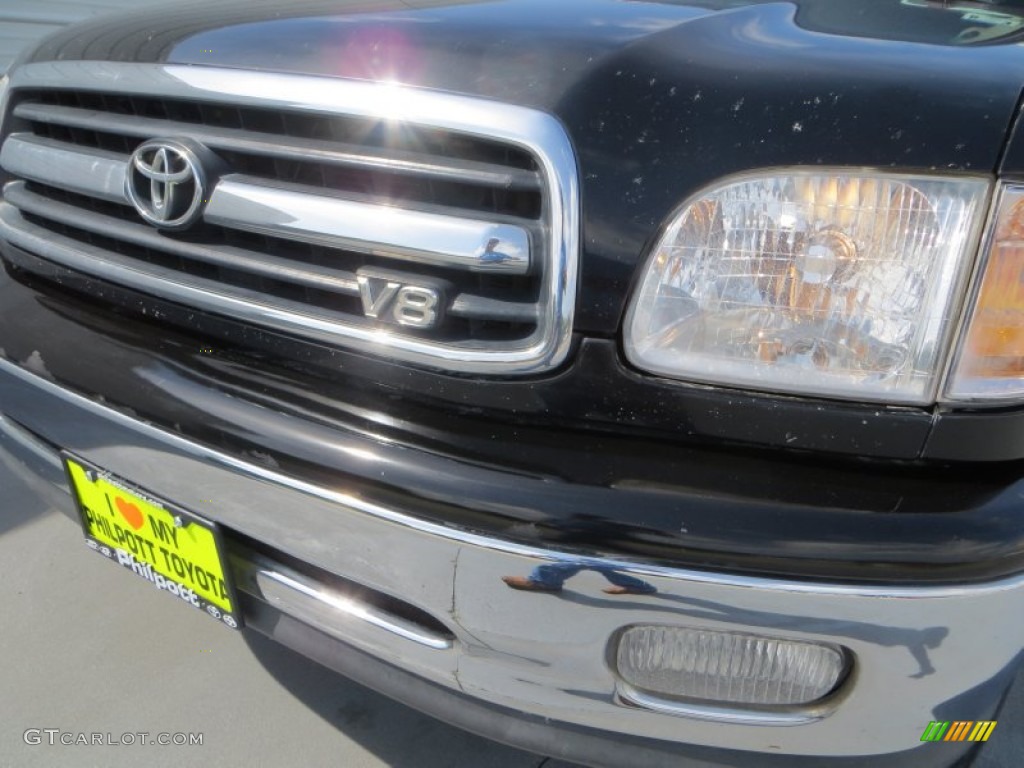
(131, 513)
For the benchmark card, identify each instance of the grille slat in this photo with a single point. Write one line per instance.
(446, 241)
(16, 193)
(448, 222)
(93, 172)
(270, 145)
(172, 284)
(310, 276)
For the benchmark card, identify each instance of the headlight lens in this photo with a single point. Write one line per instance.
(839, 284)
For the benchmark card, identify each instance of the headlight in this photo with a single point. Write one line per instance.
(837, 283)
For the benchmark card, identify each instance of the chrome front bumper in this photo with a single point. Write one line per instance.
(919, 652)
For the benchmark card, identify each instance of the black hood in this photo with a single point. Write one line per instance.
(659, 98)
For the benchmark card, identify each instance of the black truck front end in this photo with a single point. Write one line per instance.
(371, 292)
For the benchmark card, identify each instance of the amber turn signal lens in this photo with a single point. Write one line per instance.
(990, 362)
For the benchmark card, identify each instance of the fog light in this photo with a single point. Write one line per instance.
(726, 667)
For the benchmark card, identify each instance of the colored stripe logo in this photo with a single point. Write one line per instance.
(959, 730)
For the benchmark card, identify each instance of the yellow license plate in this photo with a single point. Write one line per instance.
(175, 550)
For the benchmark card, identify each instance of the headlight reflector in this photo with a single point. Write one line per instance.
(834, 283)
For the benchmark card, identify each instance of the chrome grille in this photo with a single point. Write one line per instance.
(318, 190)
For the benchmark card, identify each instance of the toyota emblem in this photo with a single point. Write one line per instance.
(166, 183)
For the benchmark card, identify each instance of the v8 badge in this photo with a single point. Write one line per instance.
(394, 297)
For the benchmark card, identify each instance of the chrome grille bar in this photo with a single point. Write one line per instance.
(89, 171)
(428, 238)
(249, 204)
(159, 281)
(482, 307)
(208, 295)
(311, 276)
(272, 145)
(338, 281)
